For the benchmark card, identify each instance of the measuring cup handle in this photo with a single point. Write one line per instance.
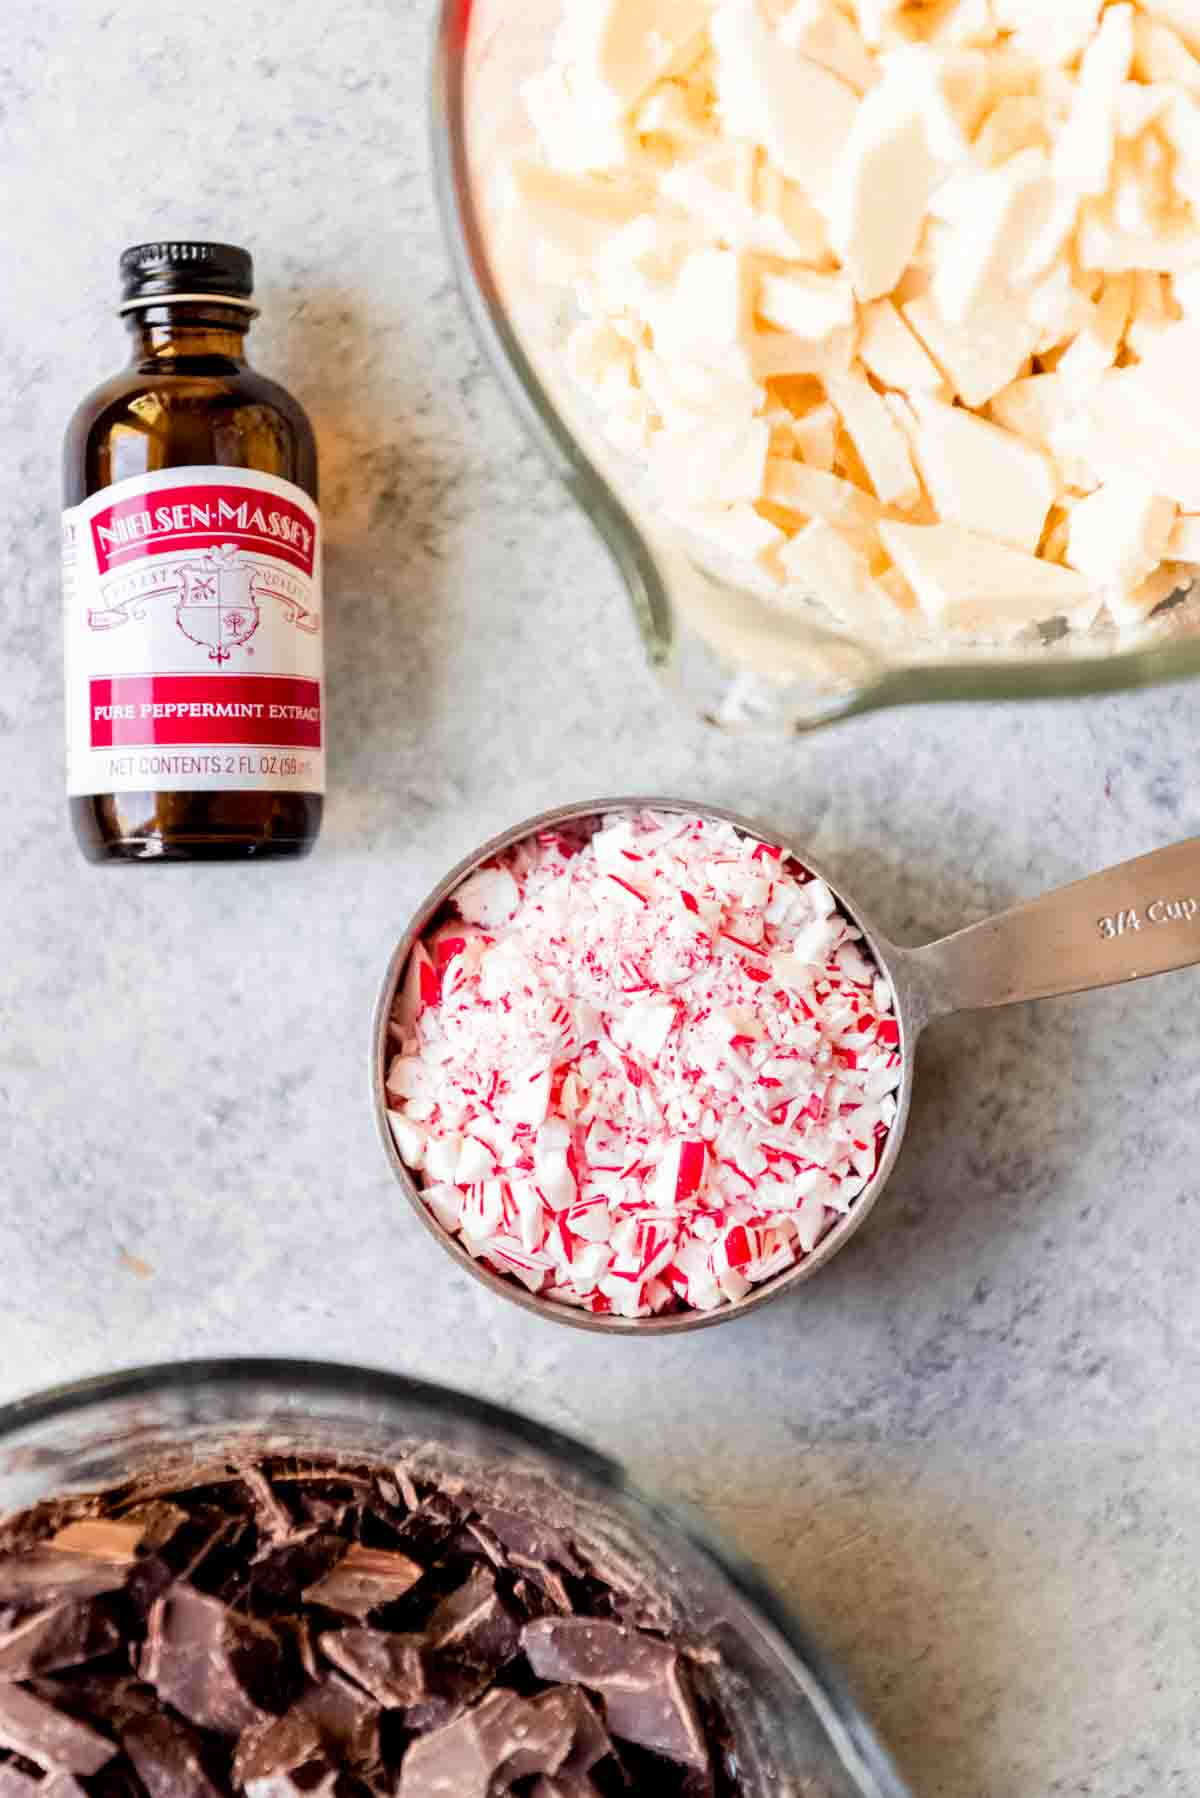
(1138, 919)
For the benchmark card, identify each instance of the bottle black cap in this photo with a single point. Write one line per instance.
(160, 272)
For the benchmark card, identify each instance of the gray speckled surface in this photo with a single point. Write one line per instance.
(969, 1452)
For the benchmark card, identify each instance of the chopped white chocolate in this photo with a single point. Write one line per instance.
(798, 111)
(713, 463)
(871, 429)
(815, 433)
(1001, 212)
(820, 31)
(814, 494)
(624, 48)
(979, 475)
(979, 359)
(883, 188)
(965, 582)
(1096, 347)
(1121, 533)
(891, 353)
(1185, 540)
(1051, 30)
(811, 305)
(894, 302)
(837, 572)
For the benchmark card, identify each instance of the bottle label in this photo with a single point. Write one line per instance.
(194, 636)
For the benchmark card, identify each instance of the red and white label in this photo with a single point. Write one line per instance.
(194, 637)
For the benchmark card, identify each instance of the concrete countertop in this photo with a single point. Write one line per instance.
(968, 1453)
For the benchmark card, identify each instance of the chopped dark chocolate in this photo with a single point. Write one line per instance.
(346, 1719)
(65, 1635)
(210, 1662)
(290, 1629)
(387, 1666)
(102, 1538)
(530, 1543)
(45, 1574)
(278, 1746)
(49, 1737)
(168, 1758)
(503, 1738)
(273, 1515)
(475, 1621)
(363, 1580)
(639, 1677)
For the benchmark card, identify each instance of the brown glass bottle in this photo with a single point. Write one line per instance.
(189, 402)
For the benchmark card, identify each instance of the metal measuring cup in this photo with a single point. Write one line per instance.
(1138, 919)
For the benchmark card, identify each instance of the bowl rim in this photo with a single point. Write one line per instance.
(1002, 676)
(673, 1323)
(851, 1735)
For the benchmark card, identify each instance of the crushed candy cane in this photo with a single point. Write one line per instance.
(644, 1064)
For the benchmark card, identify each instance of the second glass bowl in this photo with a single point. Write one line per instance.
(731, 653)
(799, 1731)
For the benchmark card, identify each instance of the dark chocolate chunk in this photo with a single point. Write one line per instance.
(168, 1758)
(363, 1580)
(274, 1518)
(61, 1785)
(66, 1635)
(45, 1574)
(102, 1539)
(287, 1760)
(502, 1739)
(50, 1738)
(209, 1662)
(15, 1784)
(387, 1666)
(564, 1785)
(530, 1542)
(475, 1621)
(638, 1676)
(277, 1746)
(347, 1719)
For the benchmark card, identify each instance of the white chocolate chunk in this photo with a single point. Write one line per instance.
(814, 494)
(818, 30)
(979, 359)
(965, 582)
(883, 189)
(983, 477)
(1185, 540)
(1052, 30)
(808, 304)
(833, 569)
(875, 436)
(1122, 426)
(1083, 156)
(1095, 349)
(1121, 533)
(624, 47)
(712, 464)
(1183, 16)
(1000, 216)
(893, 355)
(574, 214)
(800, 113)
(1160, 56)
(815, 434)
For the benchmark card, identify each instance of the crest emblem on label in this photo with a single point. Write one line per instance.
(217, 607)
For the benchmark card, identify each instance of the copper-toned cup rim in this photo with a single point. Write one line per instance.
(672, 1323)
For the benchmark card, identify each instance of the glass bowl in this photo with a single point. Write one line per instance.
(739, 656)
(800, 1733)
